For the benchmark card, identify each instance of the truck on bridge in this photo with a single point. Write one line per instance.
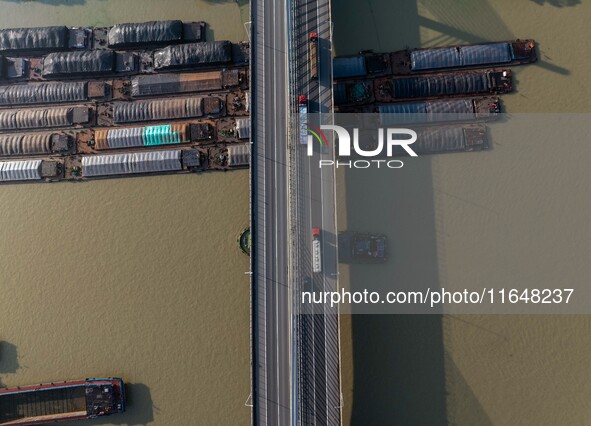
(313, 55)
(303, 116)
(316, 251)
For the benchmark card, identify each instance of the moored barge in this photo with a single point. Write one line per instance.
(56, 402)
(505, 53)
(440, 139)
(36, 40)
(70, 65)
(479, 82)
(439, 110)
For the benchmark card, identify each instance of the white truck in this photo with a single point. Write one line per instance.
(316, 251)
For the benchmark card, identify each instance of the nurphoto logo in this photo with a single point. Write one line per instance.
(387, 139)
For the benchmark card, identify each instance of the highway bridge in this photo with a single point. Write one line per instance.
(295, 350)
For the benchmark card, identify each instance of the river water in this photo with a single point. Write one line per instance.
(143, 278)
(140, 278)
(516, 212)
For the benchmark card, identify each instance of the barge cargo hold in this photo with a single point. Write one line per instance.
(43, 93)
(193, 54)
(27, 40)
(366, 64)
(39, 40)
(155, 32)
(29, 144)
(448, 139)
(162, 109)
(439, 110)
(56, 402)
(392, 89)
(463, 56)
(36, 118)
(98, 63)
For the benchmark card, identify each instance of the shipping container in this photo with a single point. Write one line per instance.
(192, 54)
(77, 63)
(131, 163)
(153, 110)
(42, 93)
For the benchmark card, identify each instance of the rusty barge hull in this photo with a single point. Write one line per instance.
(56, 402)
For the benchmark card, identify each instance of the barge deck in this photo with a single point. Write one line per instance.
(53, 402)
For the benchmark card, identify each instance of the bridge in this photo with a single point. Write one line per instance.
(295, 350)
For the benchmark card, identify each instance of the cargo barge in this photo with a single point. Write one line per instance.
(103, 63)
(431, 86)
(435, 140)
(358, 247)
(39, 40)
(127, 89)
(439, 110)
(79, 167)
(57, 402)
(121, 113)
(478, 55)
(72, 141)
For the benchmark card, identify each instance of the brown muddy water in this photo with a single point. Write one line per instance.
(140, 278)
(515, 211)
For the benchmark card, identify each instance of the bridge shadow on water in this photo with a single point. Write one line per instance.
(401, 370)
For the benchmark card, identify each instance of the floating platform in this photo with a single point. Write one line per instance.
(56, 402)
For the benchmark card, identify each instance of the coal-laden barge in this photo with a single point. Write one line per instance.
(19, 42)
(58, 402)
(432, 111)
(369, 64)
(98, 63)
